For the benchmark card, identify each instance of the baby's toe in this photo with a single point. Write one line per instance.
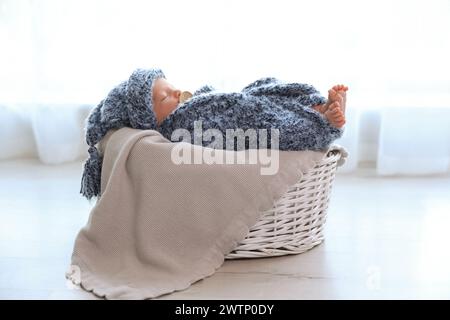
(335, 106)
(332, 94)
(338, 117)
(340, 125)
(337, 111)
(333, 109)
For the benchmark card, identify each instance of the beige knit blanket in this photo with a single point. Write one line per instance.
(159, 226)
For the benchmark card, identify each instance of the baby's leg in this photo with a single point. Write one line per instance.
(310, 130)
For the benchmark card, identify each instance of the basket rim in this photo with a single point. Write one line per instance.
(331, 156)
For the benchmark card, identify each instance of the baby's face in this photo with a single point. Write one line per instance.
(165, 99)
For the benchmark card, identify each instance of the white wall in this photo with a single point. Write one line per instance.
(57, 55)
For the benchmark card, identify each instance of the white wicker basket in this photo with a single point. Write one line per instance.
(295, 222)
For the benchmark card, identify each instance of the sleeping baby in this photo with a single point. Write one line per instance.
(266, 103)
(305, 120)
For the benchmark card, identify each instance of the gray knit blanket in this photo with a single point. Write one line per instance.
(267, 103)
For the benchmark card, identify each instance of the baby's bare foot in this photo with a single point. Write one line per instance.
(336, 94)
(333, 96)
(342, 90)
(335, 115)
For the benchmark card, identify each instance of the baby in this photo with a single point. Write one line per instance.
(166, 98)
(305, 120)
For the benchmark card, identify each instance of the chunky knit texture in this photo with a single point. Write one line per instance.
(127, 105)
(264, 104)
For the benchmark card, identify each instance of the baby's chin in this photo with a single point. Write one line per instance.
(177, 107)
(173, 110)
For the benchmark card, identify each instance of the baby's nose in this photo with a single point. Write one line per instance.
(177, 93)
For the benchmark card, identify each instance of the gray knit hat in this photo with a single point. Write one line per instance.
(127, 105)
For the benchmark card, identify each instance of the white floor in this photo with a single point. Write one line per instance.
(386, 238)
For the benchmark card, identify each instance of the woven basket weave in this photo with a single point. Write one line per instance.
(295, 223)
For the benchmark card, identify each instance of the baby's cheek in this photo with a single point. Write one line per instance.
(174, 104)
